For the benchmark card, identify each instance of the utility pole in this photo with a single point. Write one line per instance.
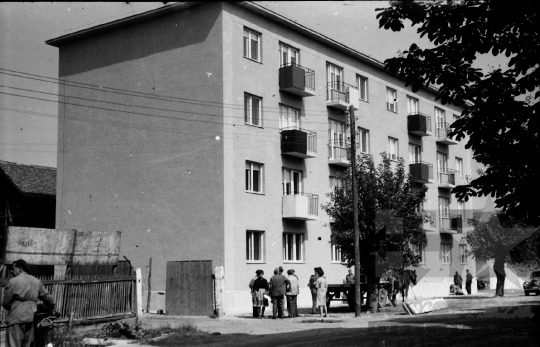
(357, 273)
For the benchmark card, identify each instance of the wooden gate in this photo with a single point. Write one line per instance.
(189, 288)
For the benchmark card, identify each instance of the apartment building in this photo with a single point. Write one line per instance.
(214, 131)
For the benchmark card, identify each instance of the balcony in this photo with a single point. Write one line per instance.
(299, 142)
(447, 178)
(442, 135)
(450, 224)
(340, 95)
(301, 206)
(421, 172)
(297, 80)
(339, 153)
(419, 124)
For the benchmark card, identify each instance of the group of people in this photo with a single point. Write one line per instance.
(456, 288)
(279, 287)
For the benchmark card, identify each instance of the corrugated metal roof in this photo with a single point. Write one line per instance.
(31, 179)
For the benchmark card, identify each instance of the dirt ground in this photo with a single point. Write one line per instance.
(479, 320)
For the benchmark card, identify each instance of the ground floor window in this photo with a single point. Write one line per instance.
(293, 247)
(445, 252)
(255, 246)
(420, 250)
(336, 254)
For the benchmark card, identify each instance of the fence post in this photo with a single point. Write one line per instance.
(138, 290)
(220, 290)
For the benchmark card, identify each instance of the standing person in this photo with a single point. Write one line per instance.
(278, 288)
(458, 281)
(292, 294)
(313, 289)
(255, 309)
(468, 282)
(350, 277)
(21, 295)
(260, 287)
(321, 286)
(284, 296)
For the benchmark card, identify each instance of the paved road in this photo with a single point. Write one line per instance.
(470, 321)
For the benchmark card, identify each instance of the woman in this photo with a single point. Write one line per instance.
(255, 309)
(260, 287)
(321, 284)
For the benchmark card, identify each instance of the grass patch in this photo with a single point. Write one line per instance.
(321, 321)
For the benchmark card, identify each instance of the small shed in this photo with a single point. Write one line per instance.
(27, 197)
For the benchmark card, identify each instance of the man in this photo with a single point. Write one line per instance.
(468, 282)
(458, 281)
(313, 289)
(292, 294)
(278, 288)
(21, 294)
(349, 279)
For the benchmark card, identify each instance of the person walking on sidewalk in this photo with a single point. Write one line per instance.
(321, 284)
(313, 289)
(278, 287)
(292, 294)
(468, 282)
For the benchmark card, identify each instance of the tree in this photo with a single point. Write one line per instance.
(389, 214)
(501, 237)
(499, 117)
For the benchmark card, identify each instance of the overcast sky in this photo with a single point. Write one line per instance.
(28, 126)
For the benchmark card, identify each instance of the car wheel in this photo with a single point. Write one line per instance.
(527, 293)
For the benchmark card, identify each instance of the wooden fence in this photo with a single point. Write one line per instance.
(88, 296)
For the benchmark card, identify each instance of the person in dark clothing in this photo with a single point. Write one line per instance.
(21, 295)
(278, 287)
(498, 267)
(313, 289)
(458, 281)
(468, 282)
(260, 287)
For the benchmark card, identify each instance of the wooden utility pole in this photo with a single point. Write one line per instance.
(149, 286)
(357, 272)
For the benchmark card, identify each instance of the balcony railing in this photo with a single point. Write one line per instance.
(339, 95)
(442, 134)
(339, 153)
(421, 172)
(451, 224)
(297, 79)
(447, 178)
(301, 206)
(298, 142)
(419, 124)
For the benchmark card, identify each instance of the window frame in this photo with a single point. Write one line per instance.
(289, 48)
(360, 137)
(421, 251)
(411, 100)
(248, 48)
(291, 173)
(336, 256)
(442, 162)
(261, 177)
(412, 153)
(248, 110)
(339, 73)
(365, 85)
(298, 122)
(396, 144)
(250, 252)
(445, 253)
(293, 251)
(394, 101)
(440, 114)
(459, 166)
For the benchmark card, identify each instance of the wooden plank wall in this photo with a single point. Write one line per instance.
(189, 289)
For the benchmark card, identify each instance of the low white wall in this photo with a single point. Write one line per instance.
(507, 284)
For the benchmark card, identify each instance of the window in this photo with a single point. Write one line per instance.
(420, 250)
(459, 166)
(293, 247)
(440, 118)
(412, 105)
(362, 140)
(463, 254)
(393, 148)
(334, 77)
(337, 136)
(254, 177)
(288, 55)
(391, 100)
(444, 204)
(335, 182)
(442, 162)
(336, 254)
(292, 182)
(362, 87)
(445, 252)
(255, 246)
(252, 45)
(415, 154)
(252, 110)
(289, 117)
(461, 210)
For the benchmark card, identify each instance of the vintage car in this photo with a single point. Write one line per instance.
(533, 284)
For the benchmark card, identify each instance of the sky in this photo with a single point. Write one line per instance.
(28, 104)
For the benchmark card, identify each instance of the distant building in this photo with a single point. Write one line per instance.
(27, 197)
(214, 131)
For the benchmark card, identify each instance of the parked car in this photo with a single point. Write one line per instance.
(533, 284)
